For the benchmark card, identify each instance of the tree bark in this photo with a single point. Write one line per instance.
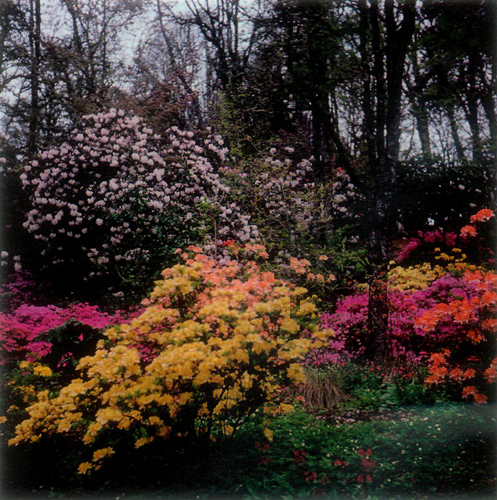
(35, 48)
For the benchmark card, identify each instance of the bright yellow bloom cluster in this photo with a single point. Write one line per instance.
(215, 342)
(421, 276)
(456, 262)
(415, 277)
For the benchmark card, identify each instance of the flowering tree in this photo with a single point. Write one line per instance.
(215, 342)
(114, 200)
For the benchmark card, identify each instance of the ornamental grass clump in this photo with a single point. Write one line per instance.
(216, 342)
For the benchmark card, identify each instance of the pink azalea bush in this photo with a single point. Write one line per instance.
(25, 332)
(407, 340)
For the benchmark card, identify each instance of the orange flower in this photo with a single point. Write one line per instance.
(470, 390)
(456, 374)
(480, 398)
(469, 231)
(469, 373)
(482, 216)
(491, 372)
(475, 336)
(489, 298)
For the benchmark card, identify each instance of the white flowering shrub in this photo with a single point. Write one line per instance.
(279, 191)
(115, 200)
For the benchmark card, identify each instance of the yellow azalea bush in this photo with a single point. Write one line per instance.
(420, 276)
(416, 277)
(217, 340)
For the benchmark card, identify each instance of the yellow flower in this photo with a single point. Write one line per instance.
(268, 433)
(296, 372)
(84, 467)
(142, 441)
(290, 325)
(102, 453)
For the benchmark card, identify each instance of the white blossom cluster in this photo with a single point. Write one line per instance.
(286, 188)
(343, 193)
(115, 190)
(280, 189)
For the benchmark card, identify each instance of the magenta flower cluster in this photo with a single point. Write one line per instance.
(426, 242)
(22, 329)
(406, 340)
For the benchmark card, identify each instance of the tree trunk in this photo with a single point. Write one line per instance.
(377, 339)
(455, 133)
(35, 47)
(389, 62)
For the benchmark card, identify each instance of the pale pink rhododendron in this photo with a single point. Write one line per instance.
(117, 196)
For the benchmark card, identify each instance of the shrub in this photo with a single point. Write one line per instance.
(467, 328)
(111, 204)
(474, 240)
(216, 341)
(439, 317)
(35, 333)
(296, 217)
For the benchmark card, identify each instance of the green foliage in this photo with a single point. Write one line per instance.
(383, 459)
(446, 193)
(353, 386)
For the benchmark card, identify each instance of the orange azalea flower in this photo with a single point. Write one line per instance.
(468, 391)
(475, 336)
(469, 231)
(482, 216)
(480, 398)
(456, 374)
(489, 298)
(463, 313)
(491, 372)
(469, 373)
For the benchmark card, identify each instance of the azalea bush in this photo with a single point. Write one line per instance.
(441, 317)
(34, 333)
(475, 240)
(111, 203)
(217, 341)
